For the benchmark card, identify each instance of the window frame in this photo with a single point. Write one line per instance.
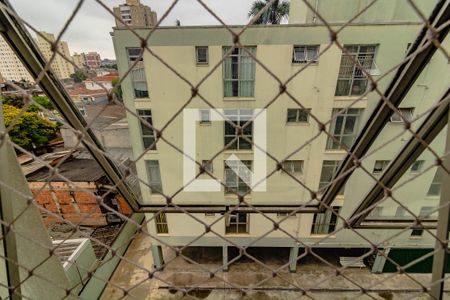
(236, 223)
(424, 210)
(239, 118)
(207, 165)
(356, 73)
(138, 94)
(149, 119)
(162, 226)
(322, 183)
(395, 118)
(289, 167)
(240, 184)
(238, 56)
(298, 112)
(208, 119)
(305, 49)
(344, 117)
(329, 225)
(436, 183)
(201, 63)
(155, 184)
(384, 164)
(420, 164)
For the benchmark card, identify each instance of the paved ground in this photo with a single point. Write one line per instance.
(317, 277)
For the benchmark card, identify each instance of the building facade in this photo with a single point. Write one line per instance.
(134, 14)
(324, 80)
(93, 60)
(79, 60)
(61, 63)
(11, 68)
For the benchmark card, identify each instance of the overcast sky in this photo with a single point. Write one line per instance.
(90, 29)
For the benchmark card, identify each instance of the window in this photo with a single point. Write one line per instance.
(303, 54)
(297, 115)
(376, 212)
(325, 223)
(343, 128)
(400, 212)
(138, 77)
(239, 72)
(352, 80)
(329, 168)
(205, 116)
(134, 54)
(154, 176)
(207, 165)
(435, 187)
(238, 117)
(406, 114)
(234, 183)
(423, 214)
(201, 55)
(148, 134)
(237, 223)
(379, 166)
(417, 166)
(161, 223)
(294, 167)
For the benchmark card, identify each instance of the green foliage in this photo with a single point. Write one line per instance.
(28, 129)
(18, 101)
(117, 89)
(272, 15)
(78, 76)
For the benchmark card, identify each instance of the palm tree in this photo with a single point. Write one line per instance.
(273, 14)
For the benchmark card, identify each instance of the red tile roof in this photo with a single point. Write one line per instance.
(105, 78)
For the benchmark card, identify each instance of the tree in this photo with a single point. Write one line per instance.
(18, 101)
(29, 130)
(78, 76)
(117, 89)
(276, 12)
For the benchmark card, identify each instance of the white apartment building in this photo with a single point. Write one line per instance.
(11, 67)
(326, 82)
(61, 64)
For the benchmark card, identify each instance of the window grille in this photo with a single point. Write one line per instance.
(356, 62)
(239, 72)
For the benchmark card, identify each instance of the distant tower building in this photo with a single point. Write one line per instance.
(11, 68)
(62, 68)
(93, 60)
(79, 60)
(135, 14)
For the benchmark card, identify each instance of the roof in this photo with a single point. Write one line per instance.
(83, 91)
(75, 170)
(104, 78)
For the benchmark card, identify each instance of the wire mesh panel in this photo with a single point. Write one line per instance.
(259, 161)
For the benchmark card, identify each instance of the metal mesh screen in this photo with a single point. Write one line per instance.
(370, 221)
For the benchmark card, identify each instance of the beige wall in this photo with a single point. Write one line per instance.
(61, 63)
(11, 67)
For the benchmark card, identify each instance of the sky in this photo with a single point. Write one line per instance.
(90, 29)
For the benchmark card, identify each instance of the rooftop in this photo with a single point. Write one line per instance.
(76, 170)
